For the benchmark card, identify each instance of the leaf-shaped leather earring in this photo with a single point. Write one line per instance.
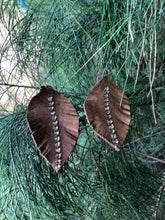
(54, 124)
(107, 118)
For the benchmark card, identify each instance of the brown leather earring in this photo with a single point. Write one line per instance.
(106, 116)
(54, 125)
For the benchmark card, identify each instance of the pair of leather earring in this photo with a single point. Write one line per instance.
(54, 123)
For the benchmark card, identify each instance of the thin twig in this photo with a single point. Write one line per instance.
(140, 53)
(19, 86)
(146, 137)
(151, 157)
(152, 80)
(153, 107)
(148, 156)
(154, 59)
(143, 154)
(153, 77)
(130, 31)
(150, 57)
(161, 190)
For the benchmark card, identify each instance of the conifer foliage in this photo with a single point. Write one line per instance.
(71, 46)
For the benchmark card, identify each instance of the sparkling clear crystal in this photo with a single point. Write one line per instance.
(111, 126)
(57, 138)
(57, 144)
(106, 103)
(108, 112)
(106, 108)
(58, 161)
(58, 155)
(51, 103)
(56, 133)
(53, 113)
(58, 150)
(55, 128)
(109, 116)
(106, 88)
(55, 122)
(110, 121)
(115, 141)
(54, 117)
(57, 167)
(113, 131)
(50, 98)
(51, 108)
(106, 100)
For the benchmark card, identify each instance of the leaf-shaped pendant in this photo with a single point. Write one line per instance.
(54, 124)
(105, 115)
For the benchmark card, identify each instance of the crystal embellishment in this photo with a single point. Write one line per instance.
(111, 126)
(55, 127)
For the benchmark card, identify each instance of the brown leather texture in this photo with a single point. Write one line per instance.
(39, 120)
(94, 107)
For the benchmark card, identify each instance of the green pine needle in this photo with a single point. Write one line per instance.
(71, 45)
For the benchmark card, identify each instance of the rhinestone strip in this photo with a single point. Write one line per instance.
(56, 133)
(111, 126)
